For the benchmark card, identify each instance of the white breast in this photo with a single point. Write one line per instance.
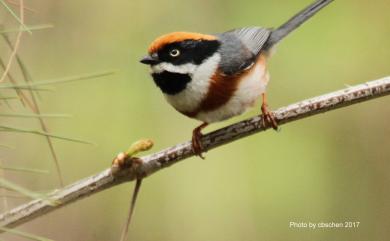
(248, 91)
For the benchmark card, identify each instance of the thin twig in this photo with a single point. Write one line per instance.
(126, 226)
(16, 45)
(165, 158)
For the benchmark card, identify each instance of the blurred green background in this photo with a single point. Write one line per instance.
(328, 168)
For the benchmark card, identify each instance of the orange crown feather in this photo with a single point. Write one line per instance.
(177, 37)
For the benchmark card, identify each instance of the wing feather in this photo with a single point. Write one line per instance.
(241, 47)
(252, 37)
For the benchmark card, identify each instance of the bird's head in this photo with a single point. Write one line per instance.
(180, 52)
(175, 58)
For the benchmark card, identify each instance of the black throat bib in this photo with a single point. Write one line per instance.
(171, 83)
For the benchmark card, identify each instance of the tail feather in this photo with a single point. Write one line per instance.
(295, 22)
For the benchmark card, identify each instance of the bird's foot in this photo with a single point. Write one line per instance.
(268, 117)
(197, 135)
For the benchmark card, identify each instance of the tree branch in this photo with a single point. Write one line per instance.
(157, 161)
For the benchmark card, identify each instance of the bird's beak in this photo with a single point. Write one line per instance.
(150, 59)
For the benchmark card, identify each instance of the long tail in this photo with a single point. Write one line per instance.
(295, 22)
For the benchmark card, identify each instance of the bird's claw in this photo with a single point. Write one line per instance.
(268, 117)
(197, 147)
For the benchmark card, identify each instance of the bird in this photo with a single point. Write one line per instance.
(214, 77)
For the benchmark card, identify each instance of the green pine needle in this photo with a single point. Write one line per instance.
(34, 27)
(14, 187)
(42, 133)
(24, 234)
(22, 87)
(8, 97)
(58, 80)
(24, 191)
(29, 115)
(15, 16)
(24, 169)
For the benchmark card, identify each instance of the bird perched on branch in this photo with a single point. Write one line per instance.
(213, 77)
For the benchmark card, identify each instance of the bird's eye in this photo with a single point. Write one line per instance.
(174, 53)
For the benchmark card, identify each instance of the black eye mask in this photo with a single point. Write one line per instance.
(191, 51)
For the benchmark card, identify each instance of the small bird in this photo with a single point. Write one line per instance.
(213, 77)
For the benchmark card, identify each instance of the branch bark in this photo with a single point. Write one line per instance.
(157, 161)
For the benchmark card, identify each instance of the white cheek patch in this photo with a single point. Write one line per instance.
(180, 69)
(190, 98)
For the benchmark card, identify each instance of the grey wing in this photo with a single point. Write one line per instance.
(253, 38)
(240, 47)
